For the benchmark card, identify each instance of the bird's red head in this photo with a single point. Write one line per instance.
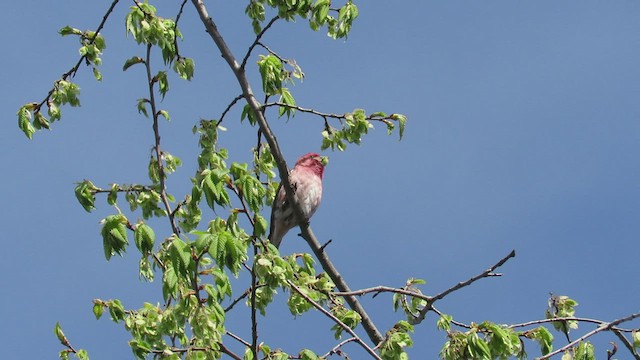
(314, 162)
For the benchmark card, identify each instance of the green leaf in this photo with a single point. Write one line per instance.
(164, 114)
(132, 61)
(116, 310)
(24, 121)
(287, 99)
(543, 337)
(144, 238)
(60, 335)
(97, 74)
(113, 194)
(39, 121)
(444, 323)
(307, 354)
(82, 354)
(584, 351)
(114, 235)
(163, 82)
(67, 30)
(85, 193)
(271, 71)
(180, 254)
(142, 106)
(184, 67)
(169, 282)
(98, 310)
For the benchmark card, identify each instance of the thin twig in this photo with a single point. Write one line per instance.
(238, 338)
(460, 285)
(454, 322)
(175, 30)
(579, 319)
(380, 289)
(237, 300)
(225, 350)
(373, 117)
(257, 41)
(603, 327)
(335, 319)
(336, 348)
(256, 108)
(233, 102)
(254, 310)
(72, 72)
(156, 148)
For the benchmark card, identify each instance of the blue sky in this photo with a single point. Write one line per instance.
(523, 134)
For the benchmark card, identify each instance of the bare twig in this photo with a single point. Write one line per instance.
(175, 35)
(335, 349)
(460, 285)
(604, 327)
(224, 113)
(380, 289)
(225, 350)
(239, 339)
(579, 319)
(256, 108)
(454, 322)
(335, 319)
(257, 41)
(373, 117)
(237, 300)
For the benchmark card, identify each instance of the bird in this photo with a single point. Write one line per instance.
(306, 180)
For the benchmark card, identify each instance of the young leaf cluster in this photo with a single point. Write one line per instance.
(317, 12)
(357, 124)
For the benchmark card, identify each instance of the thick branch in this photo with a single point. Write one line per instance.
(335, 319)
(255, 106)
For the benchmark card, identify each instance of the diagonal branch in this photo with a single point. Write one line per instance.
(626, 343)
(72, 72)
(255, 106)
(335, 319)
(604, 327)
(257, 41)
(487, 273)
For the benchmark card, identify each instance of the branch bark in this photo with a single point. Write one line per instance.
(603, 327)
(255, 106)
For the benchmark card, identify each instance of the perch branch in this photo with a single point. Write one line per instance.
(255, 106)
(335, 319)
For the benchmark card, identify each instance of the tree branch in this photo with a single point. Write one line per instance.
(257, 41)
(460, 285)
(604, 327)
(380, 289)
(335, 319)
(336, 349)
(255, 106)
(74, 69)
(156, 148)
(626, 343)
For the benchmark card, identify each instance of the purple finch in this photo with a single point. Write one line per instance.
(306, 180)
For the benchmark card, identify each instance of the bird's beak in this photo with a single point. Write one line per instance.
(324, 160)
